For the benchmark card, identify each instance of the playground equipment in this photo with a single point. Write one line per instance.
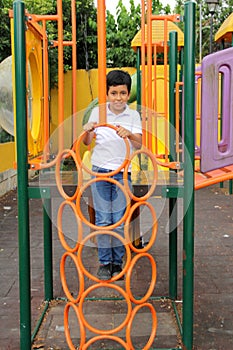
(6, 106)
(176, 156)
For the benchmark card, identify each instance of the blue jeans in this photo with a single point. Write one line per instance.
(109, 204)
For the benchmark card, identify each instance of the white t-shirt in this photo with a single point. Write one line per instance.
(110, 149)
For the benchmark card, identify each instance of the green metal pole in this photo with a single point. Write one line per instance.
(22, 173)
(48, 255)
(181, 74)
(172, 85)
(173, 248)
(188, 224)
(172, 148)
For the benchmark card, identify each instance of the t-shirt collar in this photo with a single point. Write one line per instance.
(125, 112)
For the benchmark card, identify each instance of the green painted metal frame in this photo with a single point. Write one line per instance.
(173, 250)
(188, 207)
(25, 192)
(22, 172)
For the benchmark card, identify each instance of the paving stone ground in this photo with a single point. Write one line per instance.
(213, 292)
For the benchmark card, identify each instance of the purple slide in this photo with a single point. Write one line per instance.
(217, 102)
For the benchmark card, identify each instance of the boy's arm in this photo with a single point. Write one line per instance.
(135, 139)
(89, 127)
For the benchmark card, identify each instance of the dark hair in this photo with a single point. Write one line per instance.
(119, 77)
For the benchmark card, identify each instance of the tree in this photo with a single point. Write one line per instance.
(120, 30)
(120, 34)
(158, 8)
(5, 45)
(224, 10)
(86, 35)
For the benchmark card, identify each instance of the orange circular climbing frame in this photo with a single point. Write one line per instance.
(60, 230)
(120, 291)
(89, 183)
(113, 234)
(153, 328)
(63, 154)
(76, 254)
(63, 277)
(93, 173)
(67, 328)
(155, 177)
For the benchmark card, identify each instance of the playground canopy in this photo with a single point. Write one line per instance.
(158, 29)
(226, 30)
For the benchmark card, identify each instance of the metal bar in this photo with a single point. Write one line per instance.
(101, 22)
(138, 77)
(39, 192)
(172, 85)
(165, 88)
(188, 223)
(48, 249)
(172, 147)
(173, 248)
(37, 327)
(177, 317)
(143, 59)
(149, 73)
(22, 175)
(230, 187)
(74, 69)
(60, 77)
(46, 92)
(173, 191)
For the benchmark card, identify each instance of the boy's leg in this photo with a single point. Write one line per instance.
(101, 193)
(118, 210)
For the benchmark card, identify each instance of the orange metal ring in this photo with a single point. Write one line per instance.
(58, 174)
(63, 277)
(83, 188)
(153, 278)
(102, 337)
(66, 327)
(59, 226)
(111, 173)
(154, 326)
(111, 233)
(105, 285)
(153, 232)
(153, 185)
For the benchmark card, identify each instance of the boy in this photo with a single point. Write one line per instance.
(108, 154)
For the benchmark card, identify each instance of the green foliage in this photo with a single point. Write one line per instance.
(158, 9)
(120, 34)
(5, 137)
(203, 22)
(120, 30)
(86, 35)
(5, 44)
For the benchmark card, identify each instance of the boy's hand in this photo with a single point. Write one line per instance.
(135, 139)
(89, 127)
(122, 132)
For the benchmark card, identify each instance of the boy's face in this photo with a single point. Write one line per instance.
(118, 97)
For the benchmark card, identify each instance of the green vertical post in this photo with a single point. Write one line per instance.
(22, 174)
(181, 74)
(172, 148)
(48, 256)
(188, 223)
(173, 248)
(172, 86)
